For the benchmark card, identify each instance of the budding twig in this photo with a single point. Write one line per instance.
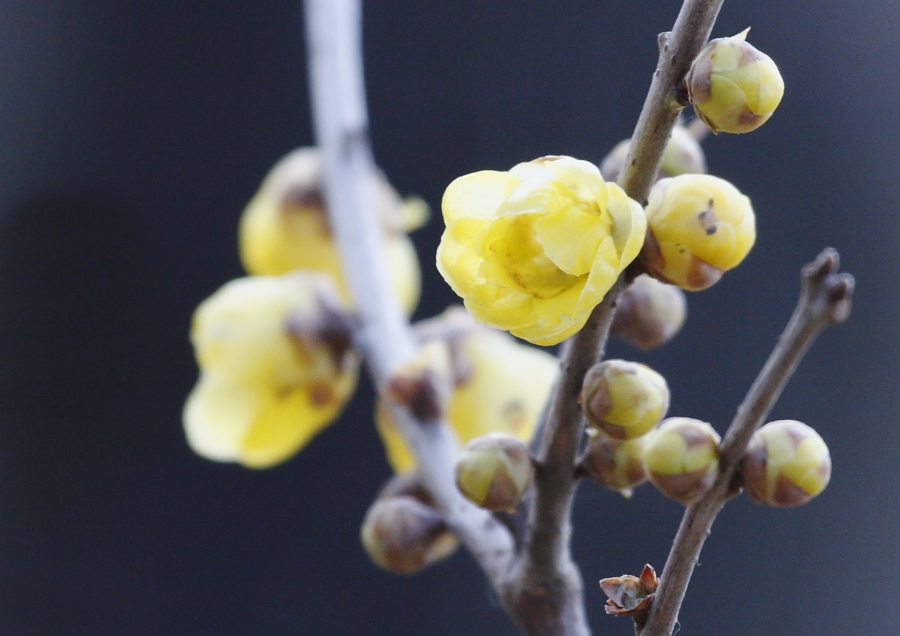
(547, 574)
(333, 29)
(824, 300)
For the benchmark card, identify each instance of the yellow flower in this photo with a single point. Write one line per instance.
(733, 86)
(275, 368)
(699, 227)
(501, 387)
(532, 251)
(285, 227)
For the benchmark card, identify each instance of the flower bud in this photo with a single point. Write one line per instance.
(683, 155)
(403, 535)
(682, 457)
(699, 226)
(649, 313)
(493, 471)
(734, 87)
(613, 463)
(624, 400)
(787, 464)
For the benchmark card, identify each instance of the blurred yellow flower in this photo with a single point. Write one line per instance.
(275, 366)
(285, 227)
(501, 387)
(532, 251)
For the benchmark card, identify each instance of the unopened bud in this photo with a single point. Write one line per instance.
(683, 155)
(698, 227)
(403, 535)
(682, 458)
(493, 471)
(613, 463)
(649, 313)
(624, 400)
(734, 87)
(787, 464)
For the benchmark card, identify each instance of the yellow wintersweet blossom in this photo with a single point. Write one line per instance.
(532, 251)
(501, 386)
(700, 226)
(276, 367)
(285, 227)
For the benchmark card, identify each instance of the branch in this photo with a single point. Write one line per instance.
(666, 97)
(546, 576)
(334, 33)
(824, 300)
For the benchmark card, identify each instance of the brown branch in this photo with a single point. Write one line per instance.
(545, 593)
(334, 34)
(665, 99)
(824, 300)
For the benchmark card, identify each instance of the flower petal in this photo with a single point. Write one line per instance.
(629, 224)
(476, 195)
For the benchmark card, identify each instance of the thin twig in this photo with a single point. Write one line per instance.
(824, 300)
(334, 33)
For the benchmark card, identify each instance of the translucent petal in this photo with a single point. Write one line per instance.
(476, 195)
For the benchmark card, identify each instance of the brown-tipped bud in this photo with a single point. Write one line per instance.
(624, 400)
(649, 313)
(403, 535)
(682, 458)
(424, 384)
(787, 464)
(494, 471)
(613, 463)
(698, 227)
(733, 86)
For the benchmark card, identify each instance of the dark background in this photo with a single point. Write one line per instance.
(131, 136)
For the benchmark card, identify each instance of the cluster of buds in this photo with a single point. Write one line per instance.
(622, 402)
(277, 365)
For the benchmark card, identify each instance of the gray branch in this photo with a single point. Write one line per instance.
(334, 34)
(546, 595)
(824, 300)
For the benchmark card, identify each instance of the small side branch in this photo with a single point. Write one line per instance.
(334, 37)
(824, 300)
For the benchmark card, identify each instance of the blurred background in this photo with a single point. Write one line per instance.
(133, 134)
